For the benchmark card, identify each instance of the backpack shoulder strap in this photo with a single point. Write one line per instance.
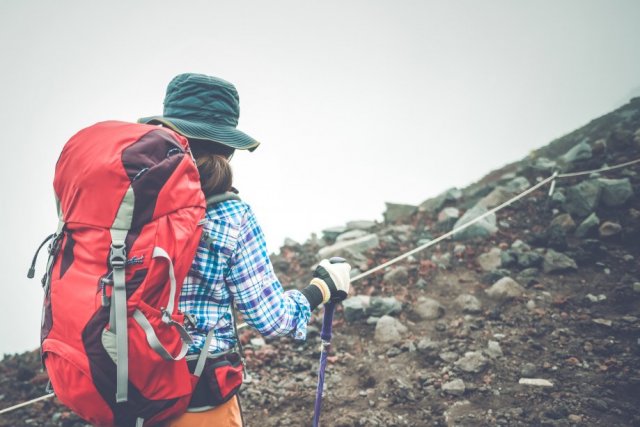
(218, 198)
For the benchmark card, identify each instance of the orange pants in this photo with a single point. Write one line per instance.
(226, 415)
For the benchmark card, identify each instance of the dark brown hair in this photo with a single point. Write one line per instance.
(215, 171)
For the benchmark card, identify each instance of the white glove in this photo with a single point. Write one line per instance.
(332, 278)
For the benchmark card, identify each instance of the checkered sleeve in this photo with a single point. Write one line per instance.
(256, 290)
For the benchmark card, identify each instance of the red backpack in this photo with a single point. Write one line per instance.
(130, 207)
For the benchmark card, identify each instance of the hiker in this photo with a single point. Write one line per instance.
(231, 266)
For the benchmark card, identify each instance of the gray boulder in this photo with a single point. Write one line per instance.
(609, 229)
(355, 308)
(389, 330)
(505, 288)
(555, 262)
(589, 226)
(483, 228)
(350, 235)
(498, 196)
(433, 205)
(428, 308)
(468, 303)
(361, 225)
(491, 260)
(529, 259)
(381, 306)
(582, 198)
(581, 151)
(448, 214)
(454, 387)
(355, 246)
(518, 184)
(331, 233)
(397, 276)
(398, 212)
(542, 164)
(472, 362)
(615, 192)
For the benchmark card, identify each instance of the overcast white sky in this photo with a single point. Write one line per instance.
(355, 102)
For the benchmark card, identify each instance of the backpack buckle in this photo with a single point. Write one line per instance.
(118, 256)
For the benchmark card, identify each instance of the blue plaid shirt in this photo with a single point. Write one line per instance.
(236, 266)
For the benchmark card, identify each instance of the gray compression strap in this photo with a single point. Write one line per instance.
(153, 340)
(118, 319)
(118, 261)
(203, 353)
(158, 252)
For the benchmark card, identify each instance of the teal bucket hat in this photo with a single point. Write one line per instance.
(203, 107)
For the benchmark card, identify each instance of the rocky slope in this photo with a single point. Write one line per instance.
(530, 317)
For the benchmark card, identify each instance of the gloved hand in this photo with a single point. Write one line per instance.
(331, 282)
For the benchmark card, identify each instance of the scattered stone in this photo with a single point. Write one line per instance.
(490, 260)
(577, 419)
(518, 184)
(361, 225)
(494, 350)
(449, 214)
(468, 303)
(537, 382)
(581, 151)
(615, 192)
(528, 370)
(396, 276)
(505, 288)
(564, 223)
(558, 198)
(528, 276)
(350, 235)
(434, 204)
(331, 233)
(529, 259)
(594, 298)
(380, 306)
(472, 362)
(508, 258)
(349, 247)
(398, 212)
(483, 228)
(603, 322)
(520, 246)
(455, 387)
(355, 308)
(495, 275)
(427, 346)
(582, 198)
(498, 196)
(389, 330)
(588, 226)
(556, 262)
(449, 356)
(636, 287)
(428, 308)
(542, 164)
(609, 229)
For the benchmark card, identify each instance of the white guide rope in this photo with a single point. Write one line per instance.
(529, 190)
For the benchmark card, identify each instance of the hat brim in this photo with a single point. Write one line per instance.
(225, 135)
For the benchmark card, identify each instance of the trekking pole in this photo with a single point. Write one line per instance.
(325, 335)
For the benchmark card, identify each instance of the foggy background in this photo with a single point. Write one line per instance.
(355, 102)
